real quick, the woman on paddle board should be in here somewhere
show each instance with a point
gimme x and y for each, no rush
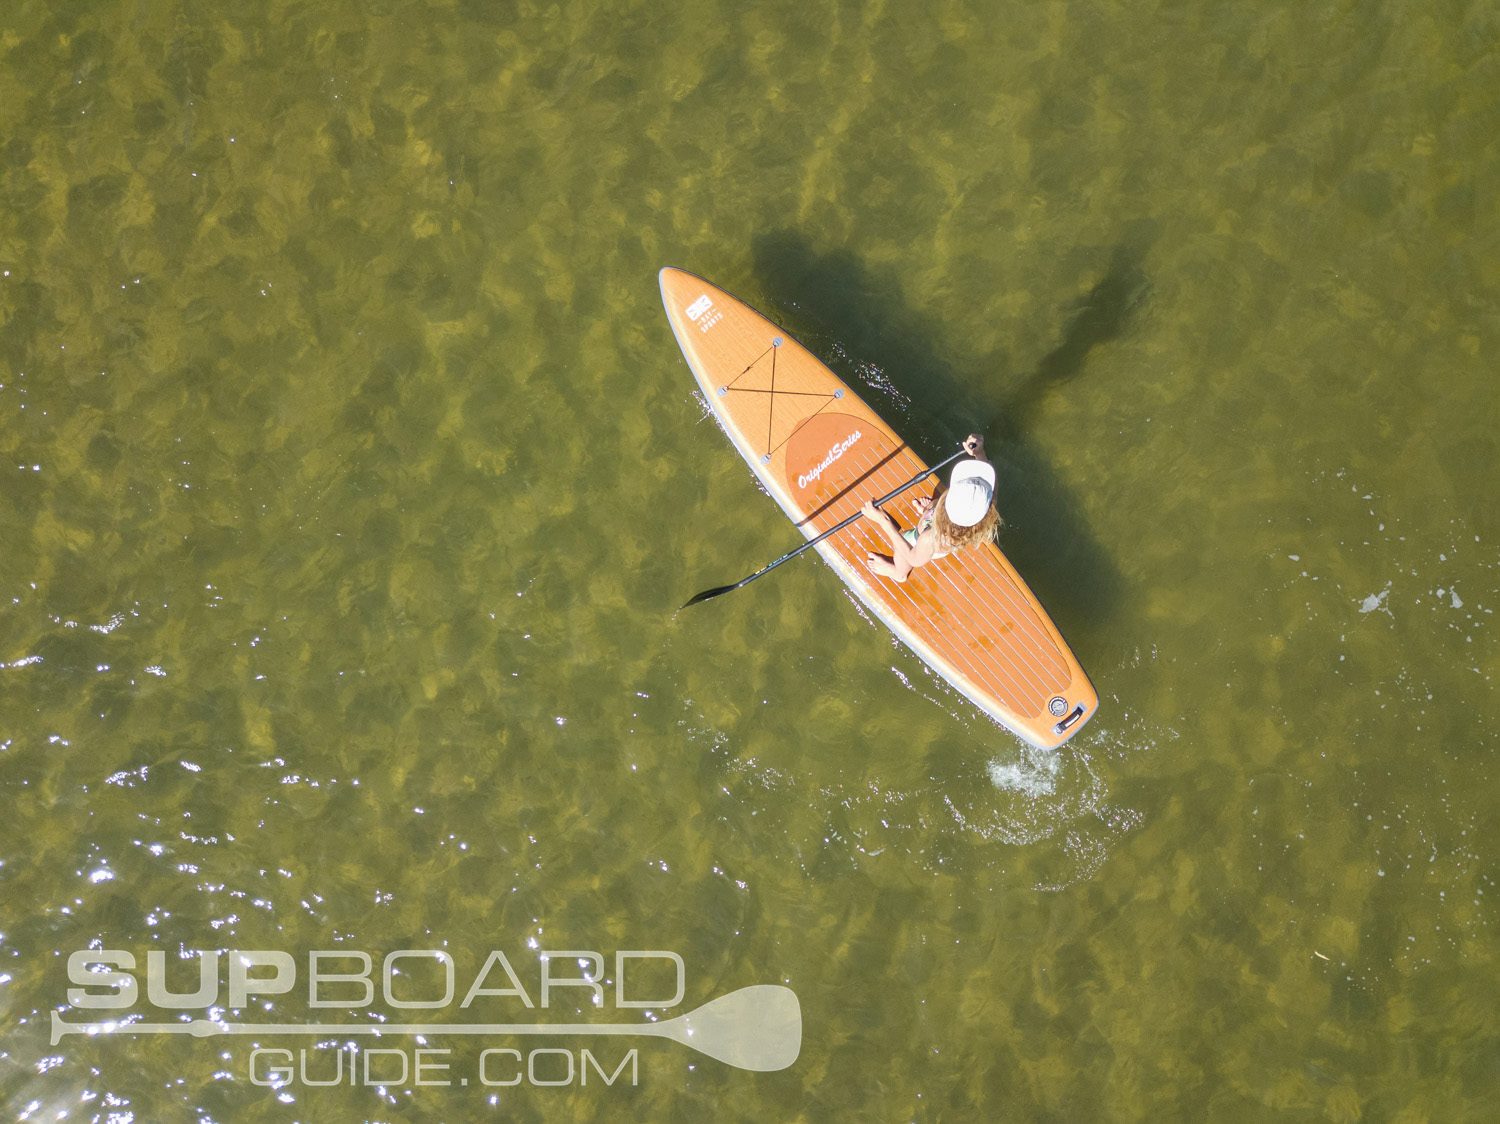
(948, 520)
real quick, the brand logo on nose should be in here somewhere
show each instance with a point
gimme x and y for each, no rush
(703, 313)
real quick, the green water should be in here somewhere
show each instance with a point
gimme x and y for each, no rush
(351, 477)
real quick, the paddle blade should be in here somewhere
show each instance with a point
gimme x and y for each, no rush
(757, 1028)
(709, 594)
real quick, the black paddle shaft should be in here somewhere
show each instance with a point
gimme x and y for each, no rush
(709, 594)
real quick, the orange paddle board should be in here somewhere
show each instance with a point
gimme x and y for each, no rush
(822, 452)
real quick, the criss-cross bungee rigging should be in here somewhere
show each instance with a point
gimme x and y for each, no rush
(771, 392)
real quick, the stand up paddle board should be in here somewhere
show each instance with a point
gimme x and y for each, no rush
(821, 452)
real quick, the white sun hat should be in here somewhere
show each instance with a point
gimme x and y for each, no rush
(970, 490)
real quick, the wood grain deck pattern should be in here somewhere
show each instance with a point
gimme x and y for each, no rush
(821, 452)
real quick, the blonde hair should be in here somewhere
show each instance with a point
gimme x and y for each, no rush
(953, 537)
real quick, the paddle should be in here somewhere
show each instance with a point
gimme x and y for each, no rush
(708, 594)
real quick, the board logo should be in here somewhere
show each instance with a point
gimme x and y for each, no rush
(826, 453)
(703, 313)
(838, 450)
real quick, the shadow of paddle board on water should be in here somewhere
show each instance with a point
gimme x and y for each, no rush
(857, 322)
